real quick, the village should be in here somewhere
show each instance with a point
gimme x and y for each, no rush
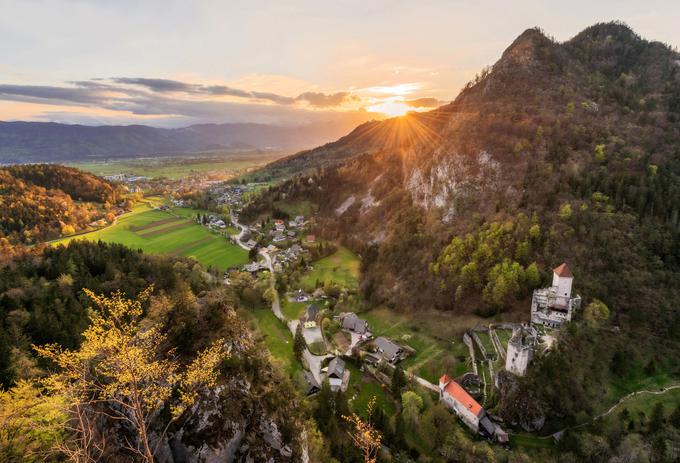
(334, 345)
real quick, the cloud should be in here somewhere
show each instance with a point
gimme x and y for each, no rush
(426, 102)
(140, 98)
(157, 85)
(31, 93)
(322, 100)
(147, 96)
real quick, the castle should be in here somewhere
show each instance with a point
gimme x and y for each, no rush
(554, 306)
(520, 349)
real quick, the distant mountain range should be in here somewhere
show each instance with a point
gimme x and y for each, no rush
(22, 142)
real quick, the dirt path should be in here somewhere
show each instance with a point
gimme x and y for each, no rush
(612, 408)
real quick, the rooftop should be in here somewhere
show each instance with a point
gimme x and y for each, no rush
(563, 271)
(459, 394)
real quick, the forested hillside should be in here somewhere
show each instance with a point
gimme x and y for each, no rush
(558, 152)
(245, 411)
(44, 201)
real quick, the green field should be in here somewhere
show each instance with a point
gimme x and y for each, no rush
(277, 338)
(174, 167)
(295, 208)
(169, 233)
(433, 357)
(341, 268)
(293, 310)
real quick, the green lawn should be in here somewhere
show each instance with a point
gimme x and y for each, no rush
(362, 389)
(293, 310)
(150, 230)
(433, 356)
(277, 338)
(342, 268)
(530, 441)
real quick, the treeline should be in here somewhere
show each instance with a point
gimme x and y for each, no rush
(44, 201)
(495, 261)
(80, 185)
(41, 297)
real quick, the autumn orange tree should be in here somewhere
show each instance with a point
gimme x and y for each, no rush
(365, 437)
(124, 371)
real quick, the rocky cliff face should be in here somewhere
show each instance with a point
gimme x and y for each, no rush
(226, 426)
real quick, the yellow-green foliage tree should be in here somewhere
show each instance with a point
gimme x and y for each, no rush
(596, 312)
(365, 437)
(31, 425)
(125, 370)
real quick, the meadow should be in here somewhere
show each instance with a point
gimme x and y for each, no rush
(436, 340)
(276, 337)
(341, 268)
(169, 233)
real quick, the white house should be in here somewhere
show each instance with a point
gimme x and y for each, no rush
(554, 306)
(520, 350)
(456, 398)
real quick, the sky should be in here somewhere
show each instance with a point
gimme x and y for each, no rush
(176, 63)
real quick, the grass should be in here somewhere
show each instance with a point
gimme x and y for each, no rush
(292, 310)
(504, 336)
(362, 389)
(637, 381)
(486, 342)
(295, 208)
(175, 167)
(433, 356)
(645, 403)
(341, 268)
(147, 229)
(530, 441)
(277, 338)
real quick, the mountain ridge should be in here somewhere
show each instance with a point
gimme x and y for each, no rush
(23, 142)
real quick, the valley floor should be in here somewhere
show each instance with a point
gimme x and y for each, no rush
(169, 232)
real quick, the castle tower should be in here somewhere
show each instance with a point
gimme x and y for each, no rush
(562, 280)
(520, 350)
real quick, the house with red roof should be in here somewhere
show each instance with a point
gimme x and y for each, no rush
(554, 306)
(456, 398)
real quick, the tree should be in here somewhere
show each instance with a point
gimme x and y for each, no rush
(68, 229)
(299, 343)
(596, 312)
(411, 404)
(31, 425)
(599, 153)
(365, 437)
(398, 381)
(675, 417)
(122, 372)
(565, 211)
(657, 419)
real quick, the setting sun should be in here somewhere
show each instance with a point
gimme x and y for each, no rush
(391, 108)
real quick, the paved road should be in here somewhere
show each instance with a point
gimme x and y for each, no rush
(313, 361)
(242, 231)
